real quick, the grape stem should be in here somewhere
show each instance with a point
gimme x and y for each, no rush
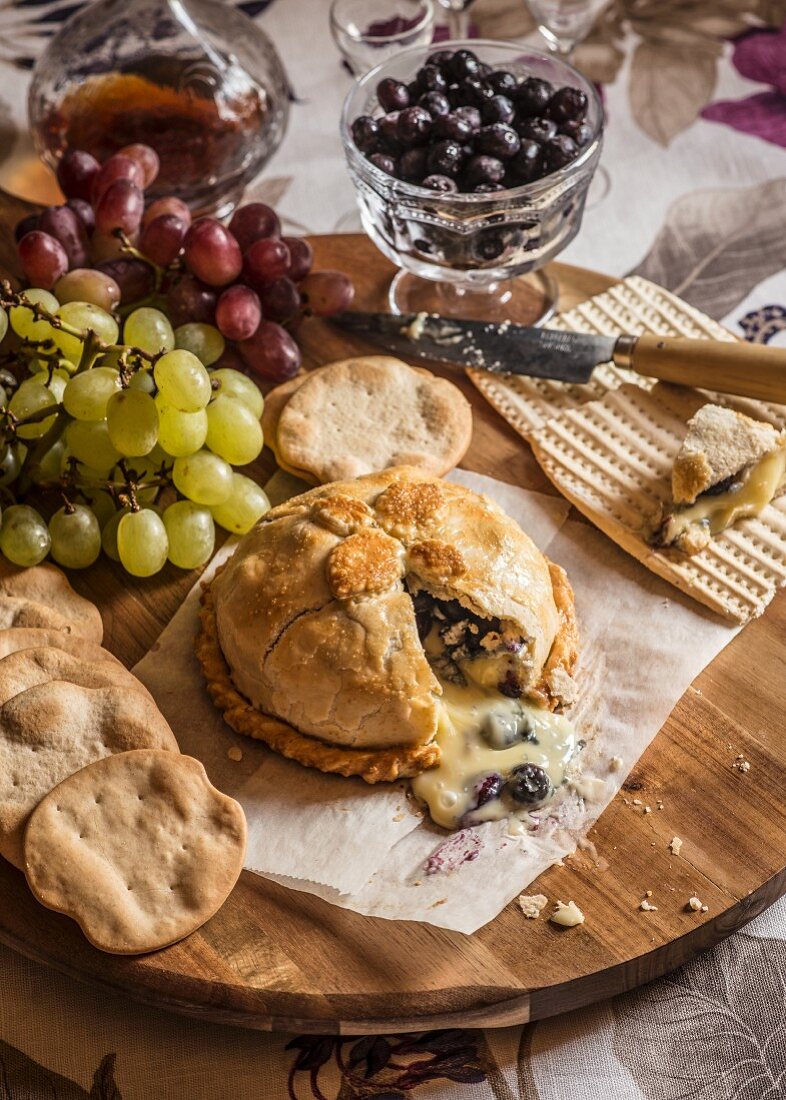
(131, 250)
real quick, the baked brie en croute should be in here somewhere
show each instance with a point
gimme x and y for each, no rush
(397, 626)
(729, 467)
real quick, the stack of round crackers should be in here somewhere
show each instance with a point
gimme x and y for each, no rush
(359, 416)
(109, 822)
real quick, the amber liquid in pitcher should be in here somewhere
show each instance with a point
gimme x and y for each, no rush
(203, 124)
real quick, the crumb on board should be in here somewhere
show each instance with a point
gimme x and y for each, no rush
(694, 904)
(636, 801)
(567, 916)
(676, 845)
(648, 809)
(741, 764)
(648, 893)
(235, 753)
(615, 763)
(646, 906)
(532, 904)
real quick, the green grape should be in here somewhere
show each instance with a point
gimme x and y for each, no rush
(142, 542)
(103, 506)
(132, 419)
(89, 442)
(61, 366)
(76, 536)
(56, 384)
(150, 330)
(87, 394)
(179, 433)
(203, 477)
(23, 320)
(31, 397)
(11, 462)
(109, 534)
(142, 380)
(183, 381)
(203, 341)
(3, 397)
(235, 384)
(84, 316)
(246, 503)
(191, 533)
(48, 468)
(24, 538)
(233, 432)
(111, 357)
(3, 324)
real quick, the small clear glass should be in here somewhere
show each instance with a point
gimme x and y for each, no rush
(470, 255)
(368, 32)
(458, 17)
(196, 79)
(565, 23)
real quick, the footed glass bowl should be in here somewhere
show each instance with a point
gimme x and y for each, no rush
(473, 255)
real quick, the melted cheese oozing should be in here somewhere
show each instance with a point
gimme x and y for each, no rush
(716, 513)
(467, 757)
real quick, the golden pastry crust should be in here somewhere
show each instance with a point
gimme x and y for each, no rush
(557, 686)
(381, 766)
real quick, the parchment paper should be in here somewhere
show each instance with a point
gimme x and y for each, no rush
(369, 849)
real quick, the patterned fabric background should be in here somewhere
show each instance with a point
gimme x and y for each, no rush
(693, 196)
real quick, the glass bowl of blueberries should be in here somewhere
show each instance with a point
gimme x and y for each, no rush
(471, 164)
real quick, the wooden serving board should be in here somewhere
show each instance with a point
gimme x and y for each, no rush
(278, 959)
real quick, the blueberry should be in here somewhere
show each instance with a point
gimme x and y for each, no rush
(365, 133)
(445, 158)
(498, 140)
(487, 789)
(392, 95)
(528, 784)
(388, 132)
(384, 162)
(412, 164)
(463, 63)
(441, 59)
(511, 686)
(581, 132)
(528, 163)
(435, 103)
(474, 91)
(431, 79)
(532, 95)
(484, 70)
(567, 104)
(502, 82)
(484, 169)
(497, 109)
(413, 126)
(452, 126)
(439, 183)
(559, 151)
(536, 129)
(471, 115)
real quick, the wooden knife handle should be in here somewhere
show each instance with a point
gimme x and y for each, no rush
(749, 370)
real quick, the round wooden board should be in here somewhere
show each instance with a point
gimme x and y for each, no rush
(278, 959)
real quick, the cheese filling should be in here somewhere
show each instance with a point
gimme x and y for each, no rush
(691, 527)
(486, 740)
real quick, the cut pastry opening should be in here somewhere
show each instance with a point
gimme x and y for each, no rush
(501, 754)
(690, 528)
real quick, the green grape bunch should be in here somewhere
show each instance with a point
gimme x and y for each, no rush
(120, 432)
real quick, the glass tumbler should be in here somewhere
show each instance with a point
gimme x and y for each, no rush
(368, 32)
(473, 255)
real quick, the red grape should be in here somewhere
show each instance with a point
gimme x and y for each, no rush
(167, 206)
(42, 258)
(265, 261)
(26, 225)
(105, 246)
(280, 300)
(63, 224)
(84, 211)
(145, 157)
(162, 239)
(252, 222)
(212, 253)
(120, 207)
(190, 300)
(301, 257)
(327, 292)
(134, 277)
(230, 357)
(76, 172)
(271, 353)
(117, 168)
(238, 313)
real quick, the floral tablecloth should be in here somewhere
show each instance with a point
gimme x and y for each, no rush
(693, 196)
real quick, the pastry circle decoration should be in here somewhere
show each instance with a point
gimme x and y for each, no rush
(342, 515)
(407, 505)
(434, 560)
(365, 564)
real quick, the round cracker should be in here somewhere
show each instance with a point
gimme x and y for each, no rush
(17, 612)
(358, 416)
(139, 848)
(14, 639)
(27, 667)
(48, 586)
(274, 404)
(52, 730)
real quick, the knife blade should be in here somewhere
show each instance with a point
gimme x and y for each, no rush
(502, 349)
(724, 366)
